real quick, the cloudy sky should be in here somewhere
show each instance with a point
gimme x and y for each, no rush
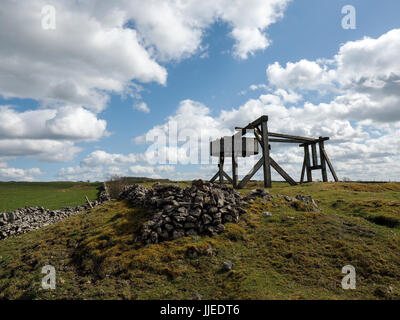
(84, 88)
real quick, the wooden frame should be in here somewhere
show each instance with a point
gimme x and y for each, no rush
(261, 133)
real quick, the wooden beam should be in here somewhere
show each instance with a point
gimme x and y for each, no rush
(285, 140)
(266, 157)
(323, 161)
(258, 137)
(234, 165)
(221, 168)
(330, 166)
(252, 172)
(308, 165)
(315, 140)
(88, 201)
(314, 154)
(227, 177)
(303, 169)
(256, 123)
(279, 135)
(215, 177)
(282, 172)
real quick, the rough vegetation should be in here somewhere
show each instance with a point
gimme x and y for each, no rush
(281, 248)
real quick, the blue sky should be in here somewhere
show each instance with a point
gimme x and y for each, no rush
(212, 75)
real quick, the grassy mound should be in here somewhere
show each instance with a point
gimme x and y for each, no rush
(293, 254)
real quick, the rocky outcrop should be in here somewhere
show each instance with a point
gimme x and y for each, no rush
(202, 208)
(30, 218)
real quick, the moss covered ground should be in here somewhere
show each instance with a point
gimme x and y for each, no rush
(293, 254)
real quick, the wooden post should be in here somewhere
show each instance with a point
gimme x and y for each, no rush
(221, 168)
(89, 203)
(308, 165)
(323, 160)
(265, 149)
(314, 154)
(303, 169)
(234, 165)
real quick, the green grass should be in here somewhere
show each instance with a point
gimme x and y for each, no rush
(292, 255)
(51, 195)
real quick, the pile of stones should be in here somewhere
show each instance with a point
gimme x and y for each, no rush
(258, 193)
(202, 208)
(30, 218)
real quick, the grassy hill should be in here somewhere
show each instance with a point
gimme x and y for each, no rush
(291, 255)
(51, 195)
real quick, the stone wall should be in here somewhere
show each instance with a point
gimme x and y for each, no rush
(30, 218)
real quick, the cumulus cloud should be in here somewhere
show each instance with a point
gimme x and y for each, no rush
(142, 106)
(138, 169)
(47, 134)
(101, 47)
(15, 174)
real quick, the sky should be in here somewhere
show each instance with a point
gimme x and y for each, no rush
(90, 89)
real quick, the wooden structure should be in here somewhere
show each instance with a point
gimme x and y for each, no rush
(238, 146)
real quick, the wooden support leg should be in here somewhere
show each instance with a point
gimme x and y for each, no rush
(227, 177)
(252, 172)
(323, 161)
(215, 177)
(234, 171)
(282, 172)
(234, 165)
(314, 154)
(265, 149)
(303, 171)
(330, 166)
(308, 164)
(221, 169)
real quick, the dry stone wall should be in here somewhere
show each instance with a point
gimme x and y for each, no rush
(30, 218)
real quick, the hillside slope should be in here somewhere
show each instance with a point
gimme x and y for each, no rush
(289, 255)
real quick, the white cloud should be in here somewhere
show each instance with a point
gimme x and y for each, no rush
(165, 168)
(47, 134)
(303, 75)
(93, 53)
(142, 106)
(15, 174)
(102, 158)
(138, 169)
(77, 63)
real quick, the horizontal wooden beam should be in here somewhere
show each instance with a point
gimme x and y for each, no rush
(287, 136)
(316, 140)
(285, 140)
(256, 123)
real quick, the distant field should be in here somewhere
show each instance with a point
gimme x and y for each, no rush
(50, 195)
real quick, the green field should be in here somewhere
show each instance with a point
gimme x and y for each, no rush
(294, 254)
(50, 195)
